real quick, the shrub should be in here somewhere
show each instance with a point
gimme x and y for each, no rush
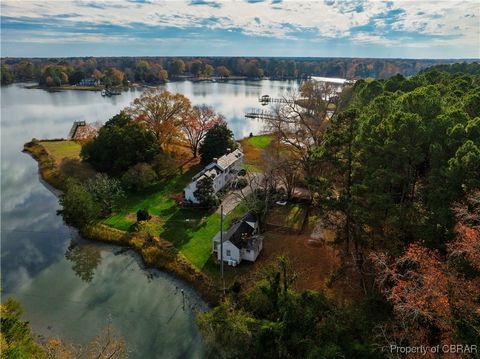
(79, 206)
(107, 192)
(241, 183)
(17, 340)
(143, 215)
(139, 177)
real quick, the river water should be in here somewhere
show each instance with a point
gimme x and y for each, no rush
(71, 288)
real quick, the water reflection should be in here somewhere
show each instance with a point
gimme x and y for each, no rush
(73, 291)
(85, 259)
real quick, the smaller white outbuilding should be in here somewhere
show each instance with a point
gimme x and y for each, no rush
(240, 242)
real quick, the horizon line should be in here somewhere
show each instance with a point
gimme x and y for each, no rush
(244, 56)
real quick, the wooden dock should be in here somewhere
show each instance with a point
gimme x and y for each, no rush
(73, 130)
(265, 100)
(260, 114)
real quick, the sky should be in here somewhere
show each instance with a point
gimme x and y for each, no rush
(323, 28)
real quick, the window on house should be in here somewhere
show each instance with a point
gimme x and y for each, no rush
(248, 250)
(228, 252)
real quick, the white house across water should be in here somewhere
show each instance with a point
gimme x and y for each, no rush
(222, 170)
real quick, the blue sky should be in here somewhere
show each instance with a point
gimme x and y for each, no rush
(360, 28)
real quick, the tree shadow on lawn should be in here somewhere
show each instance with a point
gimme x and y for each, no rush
(73, 167)
(180, 228)
(168, 212)
(165, 187)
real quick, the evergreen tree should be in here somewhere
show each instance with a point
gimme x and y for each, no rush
(218, 140)
(120, 144)
(205, 192)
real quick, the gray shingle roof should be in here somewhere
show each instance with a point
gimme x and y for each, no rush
(213, 169)
(227, 160)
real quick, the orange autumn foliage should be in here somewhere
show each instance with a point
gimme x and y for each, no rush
(417, 285)
(162, 112)
(428, 291)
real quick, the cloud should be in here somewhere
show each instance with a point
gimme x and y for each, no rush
(383, 23)
(213, 4)
(367, 38)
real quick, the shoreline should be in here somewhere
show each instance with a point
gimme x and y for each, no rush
(36, 86)
(64, 88)
(159, 253)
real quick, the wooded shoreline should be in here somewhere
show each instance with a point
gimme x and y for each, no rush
(159, 254)
(145, 85)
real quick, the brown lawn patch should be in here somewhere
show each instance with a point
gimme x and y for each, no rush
(289, 217)
(62, 149)
(66, 155)
(316, 264)
(253, 155)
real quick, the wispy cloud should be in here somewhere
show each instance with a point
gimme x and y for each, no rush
(213, 4)
(398, 26)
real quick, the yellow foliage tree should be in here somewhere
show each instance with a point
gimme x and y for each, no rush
(162, 112)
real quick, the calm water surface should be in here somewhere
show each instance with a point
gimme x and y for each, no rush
(71, 288)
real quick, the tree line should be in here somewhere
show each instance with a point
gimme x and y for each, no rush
(394, 166)
(156, 70)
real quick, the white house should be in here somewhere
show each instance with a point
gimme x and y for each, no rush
(90, 81)
(240, 242)
(223, 170)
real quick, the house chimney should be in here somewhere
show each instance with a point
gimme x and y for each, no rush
(215, 159)
(229, 150)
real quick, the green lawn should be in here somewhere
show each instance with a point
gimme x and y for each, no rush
(62, 149)
(260, 141)
(251, 168)
(190, 230)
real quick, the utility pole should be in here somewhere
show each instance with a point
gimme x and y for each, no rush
(221, 247)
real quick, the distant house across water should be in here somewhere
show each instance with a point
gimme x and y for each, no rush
(89, 81)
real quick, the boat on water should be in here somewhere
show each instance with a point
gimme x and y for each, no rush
(108, 92)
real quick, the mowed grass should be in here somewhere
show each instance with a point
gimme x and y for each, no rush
(260, 142)
(190, 230)
(62, 149)
(253, 148)
(66, 155)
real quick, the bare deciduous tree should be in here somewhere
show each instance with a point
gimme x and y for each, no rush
(284, 167)
(196, 123)
(257, 194)
(301, 120)
(108, 344)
